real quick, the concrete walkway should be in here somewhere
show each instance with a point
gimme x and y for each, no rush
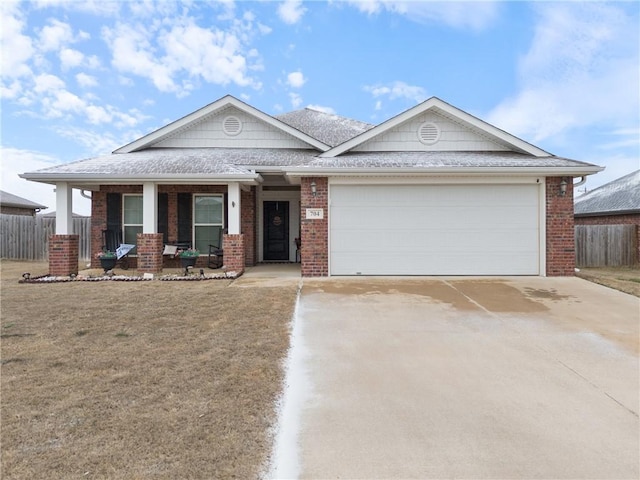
(463, 378)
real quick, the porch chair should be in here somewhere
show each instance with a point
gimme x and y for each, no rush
(216, 254)
(111, 240)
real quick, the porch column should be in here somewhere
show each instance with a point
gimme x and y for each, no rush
(233, 240)
(63, 245)
(149, 207)
(64, 204)
(233, 207)
(149, 242)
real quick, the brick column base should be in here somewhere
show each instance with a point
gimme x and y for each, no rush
(149, 248)
(234, 254)
(63, 254)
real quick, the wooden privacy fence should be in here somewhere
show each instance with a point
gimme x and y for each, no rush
(24, 237)
(606, 245)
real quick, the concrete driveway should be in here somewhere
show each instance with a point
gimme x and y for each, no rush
(482, 378)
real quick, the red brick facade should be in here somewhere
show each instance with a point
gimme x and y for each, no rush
(149, 248)
(247, 225)
(314, 232)
(241, 250)
(63, 254)
(561, 250)
(234, 248)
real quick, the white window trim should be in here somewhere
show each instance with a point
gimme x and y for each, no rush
(193, 215)
(124, 225)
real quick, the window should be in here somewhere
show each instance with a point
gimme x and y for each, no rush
(131, 218)
(208, 221)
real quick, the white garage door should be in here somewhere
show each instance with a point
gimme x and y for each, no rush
(434, 230)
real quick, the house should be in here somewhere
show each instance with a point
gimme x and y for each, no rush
(11, 204)
(431, 191)
(615, 203)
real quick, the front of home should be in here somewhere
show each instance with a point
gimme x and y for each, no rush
(432, 191)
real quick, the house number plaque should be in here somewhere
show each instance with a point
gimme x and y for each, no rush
(315, 213)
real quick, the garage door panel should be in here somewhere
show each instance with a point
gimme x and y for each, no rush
(434, 230)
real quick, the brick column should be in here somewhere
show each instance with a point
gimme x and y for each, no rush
(248, 225)
(63, 254)
(234, 253)
(561, 248)
(149, 250)
(314, 255)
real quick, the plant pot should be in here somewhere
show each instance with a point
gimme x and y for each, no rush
(188, 261)
(108, 263)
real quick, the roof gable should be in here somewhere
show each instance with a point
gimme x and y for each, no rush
(206, 128)
(453, 129)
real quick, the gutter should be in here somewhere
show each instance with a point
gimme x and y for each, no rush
(488, 171)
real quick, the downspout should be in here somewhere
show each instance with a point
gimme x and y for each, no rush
(89, 196)
(581, 182)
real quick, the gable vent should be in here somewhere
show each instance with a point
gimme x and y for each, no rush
(429, 133)
(232, 126)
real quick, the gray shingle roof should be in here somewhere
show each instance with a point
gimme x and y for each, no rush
(329, 128)
(442, 159)
(621, 195)
(10, 200)
(184, 161)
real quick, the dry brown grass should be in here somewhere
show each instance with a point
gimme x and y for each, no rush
(625, 279)
(139, 379)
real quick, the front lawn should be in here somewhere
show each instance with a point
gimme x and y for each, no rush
(139, 379)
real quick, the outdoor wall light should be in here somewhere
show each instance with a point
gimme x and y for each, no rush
(314, 190)
(563, 187)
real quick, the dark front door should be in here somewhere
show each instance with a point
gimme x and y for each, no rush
(276, 231)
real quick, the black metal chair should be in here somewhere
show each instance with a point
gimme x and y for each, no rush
(111, 240)
(216, 253)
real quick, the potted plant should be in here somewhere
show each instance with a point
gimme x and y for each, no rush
(188, 257)
(107, 259)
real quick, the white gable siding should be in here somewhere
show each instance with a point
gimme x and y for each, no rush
(209, 133)
(453, 137)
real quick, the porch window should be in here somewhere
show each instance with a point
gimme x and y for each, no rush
(208, 220)
(131, 218)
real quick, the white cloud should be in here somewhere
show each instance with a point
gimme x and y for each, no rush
(133, 53)
(296, 100)
(86, 81)
(296, 79)
(17, 48)
(16, 161)
(291, 11)
(396, 90)
(70, 58)
(55, 35)
(581, 70)
(464, 15)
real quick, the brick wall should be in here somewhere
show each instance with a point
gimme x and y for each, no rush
(248, 225)
(314, 233)
(234, 250)
(99, 218)
(561, 252)
(17, 211)
(63, 254)
(149, 248)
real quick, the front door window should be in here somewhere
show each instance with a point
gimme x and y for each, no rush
(276, 231)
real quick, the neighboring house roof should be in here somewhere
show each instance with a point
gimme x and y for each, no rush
(614, 198)
(10, 200)
(199, 148)
(329, 128)
(53, 215)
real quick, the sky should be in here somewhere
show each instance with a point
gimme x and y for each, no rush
(82, 78)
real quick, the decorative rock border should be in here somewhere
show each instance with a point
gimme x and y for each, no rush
(27, 278)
